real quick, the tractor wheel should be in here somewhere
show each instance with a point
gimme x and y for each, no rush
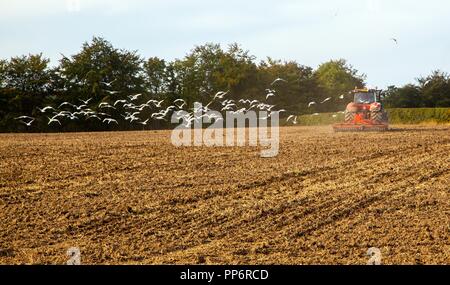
(377, 117)
(385, 117)
(349, 116)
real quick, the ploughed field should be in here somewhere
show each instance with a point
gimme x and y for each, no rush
(133, 198)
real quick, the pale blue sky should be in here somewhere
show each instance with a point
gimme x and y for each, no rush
(309, 32)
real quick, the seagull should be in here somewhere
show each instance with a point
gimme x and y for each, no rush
(228, 107)
(240, 111)
(46, 109)
(24, 118)
(109, 121)
(227, 102)
(158, 104)
(151, 101)
(53, 120)
(141, 107)
(160, 117)
(394, 40)
(270, 95)
(120, 101)
(27, 124)
(110, 83)
(129, 106)
(278, 80)
(290, 118)
(179, 101)
(181, 106)
(85, 102)
(311, 103)
(112, 92)
(104, 114)
(62, 114)
(144, 123)
(220, 95)
(426, 82)
(189, 121)
(94, 117)
(105, 105)
(79, 108)
(326, 100)
(183, 103)
(64, 104)
(134, 97)
(132, 119)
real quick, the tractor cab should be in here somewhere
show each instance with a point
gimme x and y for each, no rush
(366, 96)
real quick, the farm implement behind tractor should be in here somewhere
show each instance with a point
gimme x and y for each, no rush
(365, 113)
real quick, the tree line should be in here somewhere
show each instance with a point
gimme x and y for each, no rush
(99, 72)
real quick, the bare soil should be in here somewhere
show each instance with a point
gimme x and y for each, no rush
(133, 198)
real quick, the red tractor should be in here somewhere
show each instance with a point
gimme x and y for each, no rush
(365, 113)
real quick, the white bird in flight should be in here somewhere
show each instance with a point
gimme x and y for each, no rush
(311, 103)
(179, 101)
(28, 124)
(109, 121)
(85, 102)
(65, 104)
(120, 101)
(278, 80)
(46, 109)
(93, 117)
(158, 104)
(144, 123)
(326, 100)
(290, 118)
(53, 120)
(105, 105)
(112, 92)
(220, 94)
(24, 118)
(270, 95)
(134, 97)
(109, 84)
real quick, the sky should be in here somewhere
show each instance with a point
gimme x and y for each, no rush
(308, 31)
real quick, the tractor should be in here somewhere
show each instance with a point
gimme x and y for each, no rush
(365, 113)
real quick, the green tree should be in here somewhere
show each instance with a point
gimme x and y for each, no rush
(25, 82)
(155, 76)
(435, 89)
(293, 95)
(336, 78)
(408, 96)
(103, 72)
(209, 69)
(27, 74)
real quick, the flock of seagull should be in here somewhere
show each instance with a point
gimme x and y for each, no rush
(132, 112)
